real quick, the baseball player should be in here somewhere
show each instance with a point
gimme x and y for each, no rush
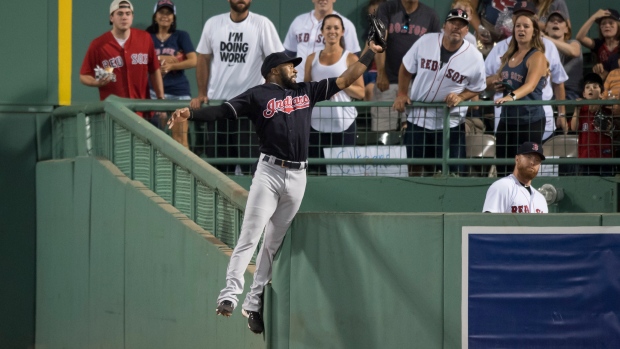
(448, 69)
(231, 50)
(557, 77)
(514, 194)
(128, 53)
(281, 110)
(304, 35)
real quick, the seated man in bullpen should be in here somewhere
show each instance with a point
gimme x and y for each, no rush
(514, 194)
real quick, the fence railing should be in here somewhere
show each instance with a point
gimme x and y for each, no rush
(142, 152)
(112, 130)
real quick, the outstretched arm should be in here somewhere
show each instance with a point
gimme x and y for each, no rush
(358, 68)
(210, 113)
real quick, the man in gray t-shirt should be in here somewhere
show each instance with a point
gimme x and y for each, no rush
(406, 21)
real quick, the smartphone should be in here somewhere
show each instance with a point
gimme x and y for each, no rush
(508, 87)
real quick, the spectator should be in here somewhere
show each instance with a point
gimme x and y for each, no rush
(176, 53)
(304, 35)
(606, 45)
(332, 126)
(514, 194)
(554, 85)
(593, 143)
(406, 21)
(128, 53)
(492, 20)
(612, 89)
(524, 68)
(546, 7)
(448, 69)
(466, 6)
(230, 53)
(370, 76)
(558, 30)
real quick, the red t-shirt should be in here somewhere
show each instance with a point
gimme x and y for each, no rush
(132, 63)
(592, 143)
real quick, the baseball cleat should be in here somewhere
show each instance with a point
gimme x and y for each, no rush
(225, 308)
(255, 321)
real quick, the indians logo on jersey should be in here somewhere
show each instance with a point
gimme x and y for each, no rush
(286, 105)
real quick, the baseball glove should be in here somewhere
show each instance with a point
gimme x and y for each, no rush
(377, 31)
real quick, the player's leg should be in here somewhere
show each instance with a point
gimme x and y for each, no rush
(290, 200)
(262, 202)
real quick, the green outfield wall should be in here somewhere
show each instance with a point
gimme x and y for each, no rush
(118, 267)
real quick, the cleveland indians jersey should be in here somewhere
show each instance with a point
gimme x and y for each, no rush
(434, 81)
(282, 116)
(508, 195)
(132, 63)
(238, 51)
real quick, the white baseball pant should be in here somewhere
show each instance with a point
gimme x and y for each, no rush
(275, 196)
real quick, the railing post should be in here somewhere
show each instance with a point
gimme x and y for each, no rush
(445, 169)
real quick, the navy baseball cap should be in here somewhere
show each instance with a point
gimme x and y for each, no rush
(592, 78)
(165, 3)
(524, 6)
(613, 14)
(457, 13)
(531, 147)
(275, 59)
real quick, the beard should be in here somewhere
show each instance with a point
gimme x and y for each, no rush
(289, 83)
(239, 7)
(527, 173)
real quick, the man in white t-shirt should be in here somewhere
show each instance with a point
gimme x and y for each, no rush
(304, 35)
(553, 87)
(231, 51)
(514, 194)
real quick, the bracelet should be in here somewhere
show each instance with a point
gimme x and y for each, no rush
(513, 96)
(561, 114)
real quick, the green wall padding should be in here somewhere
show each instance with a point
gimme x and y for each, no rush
(361, 281)
(18, 157)
(118, 267)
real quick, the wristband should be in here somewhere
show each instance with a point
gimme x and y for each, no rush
(514, 97)
(367, 58)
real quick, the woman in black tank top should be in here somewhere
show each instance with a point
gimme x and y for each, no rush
(523, 71)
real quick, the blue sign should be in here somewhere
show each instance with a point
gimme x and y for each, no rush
(540, 287)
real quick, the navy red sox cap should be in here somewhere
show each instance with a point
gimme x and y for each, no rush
(613, 14)
(275, 59)
(165, 3)
(523, 5)
(531, 147)
(457, 13)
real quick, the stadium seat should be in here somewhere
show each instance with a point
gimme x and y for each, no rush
(480, 146)
(564, 146)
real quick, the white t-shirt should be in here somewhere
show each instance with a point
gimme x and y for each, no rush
(332, 119)
(238, 51)
(508, 195)
(304, 37)
(433, 82)
(558, 76)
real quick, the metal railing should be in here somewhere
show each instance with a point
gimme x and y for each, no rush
(142, 152)
(112, 130)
